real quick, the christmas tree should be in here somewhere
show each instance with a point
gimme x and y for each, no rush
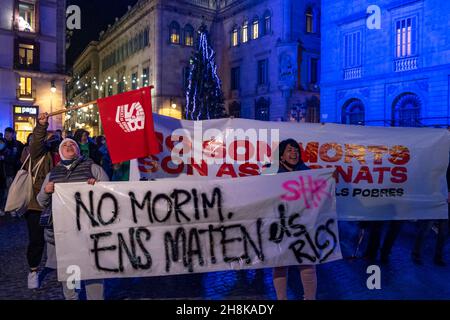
(204, 97)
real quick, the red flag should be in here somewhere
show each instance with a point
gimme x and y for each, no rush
(128, 124)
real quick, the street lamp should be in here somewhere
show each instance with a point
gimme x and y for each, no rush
(53, 86)
(173, 104)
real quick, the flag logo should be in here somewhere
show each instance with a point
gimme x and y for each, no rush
(131, 119)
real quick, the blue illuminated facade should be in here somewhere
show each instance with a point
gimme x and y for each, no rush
(394, 75)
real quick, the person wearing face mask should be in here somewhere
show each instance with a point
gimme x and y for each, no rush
(289, 161)
(73, 167)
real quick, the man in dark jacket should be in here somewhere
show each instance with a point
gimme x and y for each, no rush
(11, 161)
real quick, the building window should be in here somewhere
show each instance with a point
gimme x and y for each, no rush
(406, 110)
(353, 112)
(262, 72)
(189, 36)
(235, 77)
(313, 71)
(121, 86)
(405, 37)
(234, 110)
(141, 40)
(255, 29)
(234, 37)
(174, 33)
(26, 88)
(134, 81)
(309, 20)
(245, 32)
(352, 49)
(146, 37)
(27, 16)
(26, 55)
(145, 77)
(262, 110)
(267, 23)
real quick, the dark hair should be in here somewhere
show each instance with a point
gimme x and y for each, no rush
(9, 129)
(288, 142)
(78, 134)
(98, 141)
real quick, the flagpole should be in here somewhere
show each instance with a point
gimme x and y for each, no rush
(84, 105)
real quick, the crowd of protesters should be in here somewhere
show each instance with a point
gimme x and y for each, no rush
(89, 159)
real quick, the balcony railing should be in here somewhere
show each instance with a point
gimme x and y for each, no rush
(405, 64)
(352, 73)
(26, 95)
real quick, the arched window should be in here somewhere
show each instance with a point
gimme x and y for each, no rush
(406, 110)
(245, 32)
(188, 35)
(255, 28)
(262, 110)
(174, 33)
(267, 23)
(234, 110)
(353, 112)
(234, 37)
(309, 20)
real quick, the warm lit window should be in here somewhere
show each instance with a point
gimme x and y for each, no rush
(189, 36)
(245, 32)
(405, 37)
(25, 86)
(174, 33)
(26, 52)
(26, 19)
(309, 20)
(255, 29)
(234, 37)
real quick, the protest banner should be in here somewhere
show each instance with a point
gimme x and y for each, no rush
(127, 121)
(172, 226)
(383, 173)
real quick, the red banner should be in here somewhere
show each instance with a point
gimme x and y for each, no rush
(128, 125)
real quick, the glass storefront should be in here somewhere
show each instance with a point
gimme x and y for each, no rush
(24, 121)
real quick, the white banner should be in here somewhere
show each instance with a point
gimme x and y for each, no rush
(384, 173)
(172, 226)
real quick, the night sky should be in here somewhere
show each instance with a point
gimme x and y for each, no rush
(95, 17)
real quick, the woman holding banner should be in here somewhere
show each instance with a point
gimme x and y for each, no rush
(72, 168)
(290, 160)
